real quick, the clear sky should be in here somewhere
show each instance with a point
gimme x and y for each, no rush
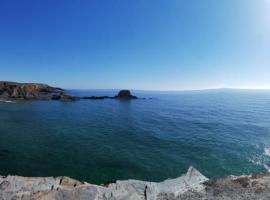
(136, 44)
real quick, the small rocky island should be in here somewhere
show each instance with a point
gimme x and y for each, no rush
(125, 94)
(38, 91)
(122, 95)
(190, 186)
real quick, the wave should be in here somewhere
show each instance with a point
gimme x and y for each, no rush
(267, 151)
(6, 101)
(267, 167)
(262, 159)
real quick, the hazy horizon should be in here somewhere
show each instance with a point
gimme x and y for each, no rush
(134, 89)
(147, 45)
(183, 90)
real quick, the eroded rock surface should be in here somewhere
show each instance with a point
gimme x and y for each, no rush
(31, 91)
(62, 188)
(191, 186)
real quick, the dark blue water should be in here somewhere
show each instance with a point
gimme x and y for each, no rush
(220, 133)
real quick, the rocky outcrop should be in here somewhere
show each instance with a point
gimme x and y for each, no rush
(122, 95)
(97, 97)
(31, 91)
(191, 186)
(125, 95)
(37, 91)
(63, 188)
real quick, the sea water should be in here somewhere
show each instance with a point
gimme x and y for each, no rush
(219, 132)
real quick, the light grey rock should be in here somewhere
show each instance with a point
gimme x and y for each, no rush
(64, 188)
(191, 186)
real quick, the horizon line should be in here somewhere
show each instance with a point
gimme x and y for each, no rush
(172, 90)
(151, 90)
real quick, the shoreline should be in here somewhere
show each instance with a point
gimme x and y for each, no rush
(38, 91)
(192, 185)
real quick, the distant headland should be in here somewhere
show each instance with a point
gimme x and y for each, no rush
(38, 91)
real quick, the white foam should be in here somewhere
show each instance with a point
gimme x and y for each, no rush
(267, 151)
(262, 159)
(6, 101)
(267, 167)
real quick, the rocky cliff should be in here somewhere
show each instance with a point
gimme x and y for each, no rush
(37, 91)
(191, 186)
(31, 91)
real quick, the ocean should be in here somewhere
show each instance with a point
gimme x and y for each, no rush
(219, 132)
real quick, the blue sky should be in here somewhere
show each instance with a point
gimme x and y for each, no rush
(136, 44)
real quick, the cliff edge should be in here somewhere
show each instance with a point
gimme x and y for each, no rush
(191, 186)
(31, 91)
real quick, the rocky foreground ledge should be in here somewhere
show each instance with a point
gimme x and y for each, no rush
(193, 186)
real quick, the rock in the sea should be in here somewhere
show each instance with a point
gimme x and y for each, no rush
(125, 94)
(97, 97)
(65, 97)
(122, 95)
(31, 91)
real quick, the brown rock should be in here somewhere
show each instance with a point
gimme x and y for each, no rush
(66, 181)
(31, 91)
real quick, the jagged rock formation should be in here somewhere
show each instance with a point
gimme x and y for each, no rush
(31, 91)
(62, 188)
(191, 186)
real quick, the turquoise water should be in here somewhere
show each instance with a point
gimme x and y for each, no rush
(220, 133)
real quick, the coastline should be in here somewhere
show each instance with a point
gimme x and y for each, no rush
(38, 91)
(192, 185)
(182, 113)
